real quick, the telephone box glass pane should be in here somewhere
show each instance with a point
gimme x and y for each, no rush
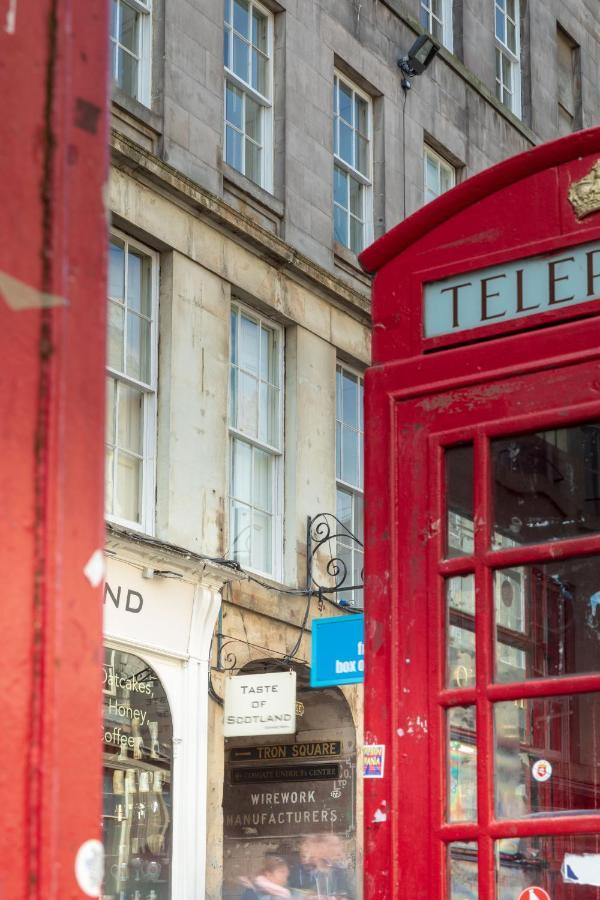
(459, 491)
(565, 866)
(546, 755)
(547, 619)
(546, 486)
(460, 657)
(462, 764)
(462, 870)
(138, 740)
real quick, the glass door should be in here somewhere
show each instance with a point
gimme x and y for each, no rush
(515, 565)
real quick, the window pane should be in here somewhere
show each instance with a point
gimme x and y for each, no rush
(361, 120)
(128, 73)
(114, 18)
(356, 235)
(345, 102)
(550, 862)
(128, 30)
(262, 557)
(253, 162)
(546, 485)
(111, 401)
(127, 504)
(233, 392)
(138, 347)
(546, 755)
(462, 870)
(362, 155)
(344, 508)
(263, 481)
(349, 385)
(260, 30)
(116, 270)
(500, 26)
(340, 187)
(130, 419)
(340, 225)
(432, 174)
(459, 500)
(241, 58)
(424, 16)
(249, 344)
(233, 148)
(268, 419)
(234, 106)
(138, 283)
(109, 462)
(345, 145)
(241, 474)
(240, 17)
(349, 456)
(253, 129)
(460, 618)
(446, 180)
(241, 533)
(268, 358)
(228, 11)
(247, 404)
(462, 764)
(356, 198)
(227, 47)
(259, 78)
(550, 614)
(116, 319)
(358, 518)
(511, 37)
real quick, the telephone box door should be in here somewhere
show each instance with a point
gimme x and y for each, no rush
(505, 489)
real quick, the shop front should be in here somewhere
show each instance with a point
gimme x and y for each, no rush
(289, 800)
(159, 614)
(482, 568)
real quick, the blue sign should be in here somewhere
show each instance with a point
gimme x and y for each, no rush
(338, 651)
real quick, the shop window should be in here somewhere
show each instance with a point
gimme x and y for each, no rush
(256, 441)
(439, 175)
(131, 383)
(137, 807)
(248, 41)
(131, 47)
(508, 54)
(352, 179)
(436, 17)
(349, 477)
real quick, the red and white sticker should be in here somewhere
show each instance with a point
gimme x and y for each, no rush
(541, 770)
(534, 893)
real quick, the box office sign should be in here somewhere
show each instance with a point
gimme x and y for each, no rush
(260, 704)
(289, 797)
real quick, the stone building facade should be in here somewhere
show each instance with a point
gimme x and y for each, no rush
(256, 147)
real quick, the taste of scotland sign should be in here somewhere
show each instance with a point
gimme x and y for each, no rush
(338, 651)
(260, 704)
(512, 291)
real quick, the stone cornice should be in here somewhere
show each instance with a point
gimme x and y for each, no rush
(128, 156)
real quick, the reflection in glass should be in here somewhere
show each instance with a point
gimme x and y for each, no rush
(462, 764)
(460, 658)
(137, 779)
(561, 735)
(547, 619)
(546, 485)
(543, 861)
(462, 870)
(459, 493)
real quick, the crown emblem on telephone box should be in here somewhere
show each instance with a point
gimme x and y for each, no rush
(584, 195)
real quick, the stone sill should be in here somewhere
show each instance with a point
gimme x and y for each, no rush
(348, 262)
(135, 121)
(251, 193)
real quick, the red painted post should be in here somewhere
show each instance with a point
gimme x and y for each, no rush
(53, 89)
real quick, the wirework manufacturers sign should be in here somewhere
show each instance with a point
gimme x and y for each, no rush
(260, 704)
(338, 651)
(513, 290)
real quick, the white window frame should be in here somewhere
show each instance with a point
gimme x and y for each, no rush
(366, 181)
(277, 452)
(348, 487)
(502, 50)
(265, 102)
(144, 9)
(446, 24)
(440, 163)
(150, 390)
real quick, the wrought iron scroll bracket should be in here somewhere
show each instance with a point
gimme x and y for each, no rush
(326, 535)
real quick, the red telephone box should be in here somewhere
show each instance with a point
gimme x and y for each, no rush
(483, 537)
(54, 92)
